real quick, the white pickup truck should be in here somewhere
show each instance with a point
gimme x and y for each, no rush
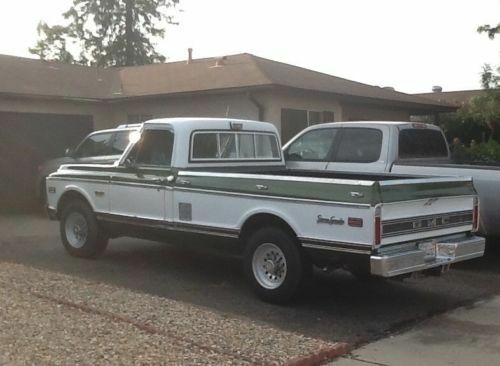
(396, 148)
(196, 179)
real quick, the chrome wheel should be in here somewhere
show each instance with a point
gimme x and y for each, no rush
(76, 229)
(269, 266)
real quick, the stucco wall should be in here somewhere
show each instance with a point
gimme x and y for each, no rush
(221, 105)
(364, 112)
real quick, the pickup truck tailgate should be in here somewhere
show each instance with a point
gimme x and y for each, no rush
(424, 208)
(418, 233)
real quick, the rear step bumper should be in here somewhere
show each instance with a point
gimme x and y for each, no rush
(432, 254)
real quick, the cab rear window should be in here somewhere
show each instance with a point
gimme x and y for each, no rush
(421, 143)
(214, 145)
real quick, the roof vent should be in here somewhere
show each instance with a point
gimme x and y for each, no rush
(437, 89)
(190, 55)
(389, 88)
(220, 61)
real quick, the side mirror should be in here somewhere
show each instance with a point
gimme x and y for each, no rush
(129, 163)
(69, 152)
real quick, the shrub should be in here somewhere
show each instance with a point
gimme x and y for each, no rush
(487, 152)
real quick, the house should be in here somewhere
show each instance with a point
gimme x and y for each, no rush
(46, 106)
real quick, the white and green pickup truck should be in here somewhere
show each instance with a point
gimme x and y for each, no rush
(200, 179)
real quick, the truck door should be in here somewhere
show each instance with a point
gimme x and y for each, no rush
(140, 188)
(311, 151)
(360, 149)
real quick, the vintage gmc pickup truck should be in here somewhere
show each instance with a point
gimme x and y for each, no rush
(195, 179)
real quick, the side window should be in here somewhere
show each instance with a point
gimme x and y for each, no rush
(314, 145)
(120, 142)
(95, 145)
(359, 145)
(154, 148)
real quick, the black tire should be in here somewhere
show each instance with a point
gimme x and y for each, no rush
(89, 244)
(287, 286)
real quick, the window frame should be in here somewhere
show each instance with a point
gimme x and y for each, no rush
(130, 149)
(235, 132)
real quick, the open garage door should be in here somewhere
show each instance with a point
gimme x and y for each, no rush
(28, 139)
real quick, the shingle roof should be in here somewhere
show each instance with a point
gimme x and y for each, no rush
(55, 79)
(457, 98)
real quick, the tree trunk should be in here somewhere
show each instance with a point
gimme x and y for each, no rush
(129, 33)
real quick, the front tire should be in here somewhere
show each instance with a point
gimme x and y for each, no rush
(80, 233)
(273, 265)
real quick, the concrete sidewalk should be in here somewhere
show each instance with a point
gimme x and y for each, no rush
(466, 336)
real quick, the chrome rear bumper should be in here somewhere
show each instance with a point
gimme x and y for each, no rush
(427, 255)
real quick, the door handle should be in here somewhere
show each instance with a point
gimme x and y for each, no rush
(183, 182)
(261, 187)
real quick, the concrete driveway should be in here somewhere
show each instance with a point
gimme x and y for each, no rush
(334, 308)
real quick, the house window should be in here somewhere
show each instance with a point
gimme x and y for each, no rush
(138, 118)
(295, 120)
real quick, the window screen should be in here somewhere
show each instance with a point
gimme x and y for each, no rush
(359, 145)
(421, 143)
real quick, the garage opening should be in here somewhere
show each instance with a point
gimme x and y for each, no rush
(27, 140)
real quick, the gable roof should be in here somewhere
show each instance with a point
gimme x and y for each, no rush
(25, 76)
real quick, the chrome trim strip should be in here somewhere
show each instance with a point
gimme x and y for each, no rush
(169, 225)
(101, 181)
(366, 183)
(227, 193)
(335, 249)
(426, 180)
(143, 185)
(336, 246)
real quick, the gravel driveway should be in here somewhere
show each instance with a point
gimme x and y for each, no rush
(50, 318)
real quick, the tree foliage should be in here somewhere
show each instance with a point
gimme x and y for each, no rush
(107, 32)
(489, 78)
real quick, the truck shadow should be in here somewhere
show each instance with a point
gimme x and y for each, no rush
(333, 307)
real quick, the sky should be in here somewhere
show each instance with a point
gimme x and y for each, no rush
(410, 45)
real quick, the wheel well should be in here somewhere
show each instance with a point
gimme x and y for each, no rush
(258, 221)
(68, 197)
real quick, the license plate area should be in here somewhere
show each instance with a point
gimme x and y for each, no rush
(429, 249)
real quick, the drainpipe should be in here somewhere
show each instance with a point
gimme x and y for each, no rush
(256, 103)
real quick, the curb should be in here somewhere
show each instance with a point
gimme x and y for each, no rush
(320, 357)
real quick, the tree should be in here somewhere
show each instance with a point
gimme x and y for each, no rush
(489, 78)
(107, 33)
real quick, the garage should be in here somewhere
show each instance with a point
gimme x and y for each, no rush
(28, 139)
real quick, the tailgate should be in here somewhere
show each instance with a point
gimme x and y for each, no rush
(422, 208)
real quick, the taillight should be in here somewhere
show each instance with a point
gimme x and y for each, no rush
(378, 226)
(475, 215)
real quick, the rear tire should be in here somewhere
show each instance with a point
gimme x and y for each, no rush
(274, 265)
(80, 233)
